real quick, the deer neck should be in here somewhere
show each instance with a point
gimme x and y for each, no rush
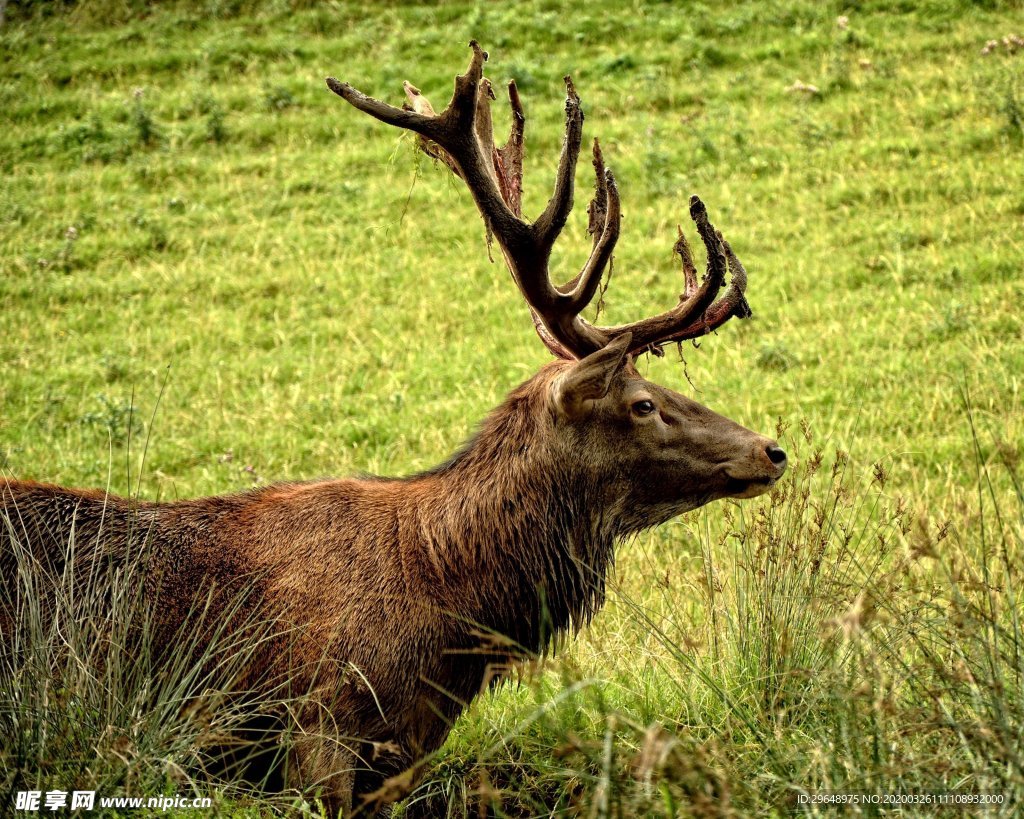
(520, 538)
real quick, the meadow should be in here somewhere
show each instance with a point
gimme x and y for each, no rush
(214, 274)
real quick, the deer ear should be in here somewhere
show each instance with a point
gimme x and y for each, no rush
(590, 378)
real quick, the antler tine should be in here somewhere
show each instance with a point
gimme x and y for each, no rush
(461, 111)
(510, 156)
(716, 269)
(737, 292)
(398, 117)
(604, 245)
(550, 223)
(604, 221)
(598, 208)
(682, 247)
(483, 126)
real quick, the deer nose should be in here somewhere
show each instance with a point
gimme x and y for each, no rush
(777, 455)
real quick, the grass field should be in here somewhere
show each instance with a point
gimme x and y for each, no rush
(214, 274)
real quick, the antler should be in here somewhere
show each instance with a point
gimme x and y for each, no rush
(462, 137)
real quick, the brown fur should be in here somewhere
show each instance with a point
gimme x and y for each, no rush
(423, 588)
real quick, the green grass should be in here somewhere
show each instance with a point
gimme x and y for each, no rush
(189, 218)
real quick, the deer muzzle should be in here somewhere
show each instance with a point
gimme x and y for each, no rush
(755, 475)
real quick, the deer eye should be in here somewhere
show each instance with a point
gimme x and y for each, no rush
(644, 407)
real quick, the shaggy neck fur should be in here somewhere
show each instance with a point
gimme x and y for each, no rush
(520, 533)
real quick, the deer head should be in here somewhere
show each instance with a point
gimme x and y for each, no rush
(659, 452)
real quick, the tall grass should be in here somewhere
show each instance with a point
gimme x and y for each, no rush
(90, 700)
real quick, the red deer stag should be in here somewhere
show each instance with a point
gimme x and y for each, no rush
(396, 580)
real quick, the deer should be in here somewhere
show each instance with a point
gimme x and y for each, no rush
(425, 590)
